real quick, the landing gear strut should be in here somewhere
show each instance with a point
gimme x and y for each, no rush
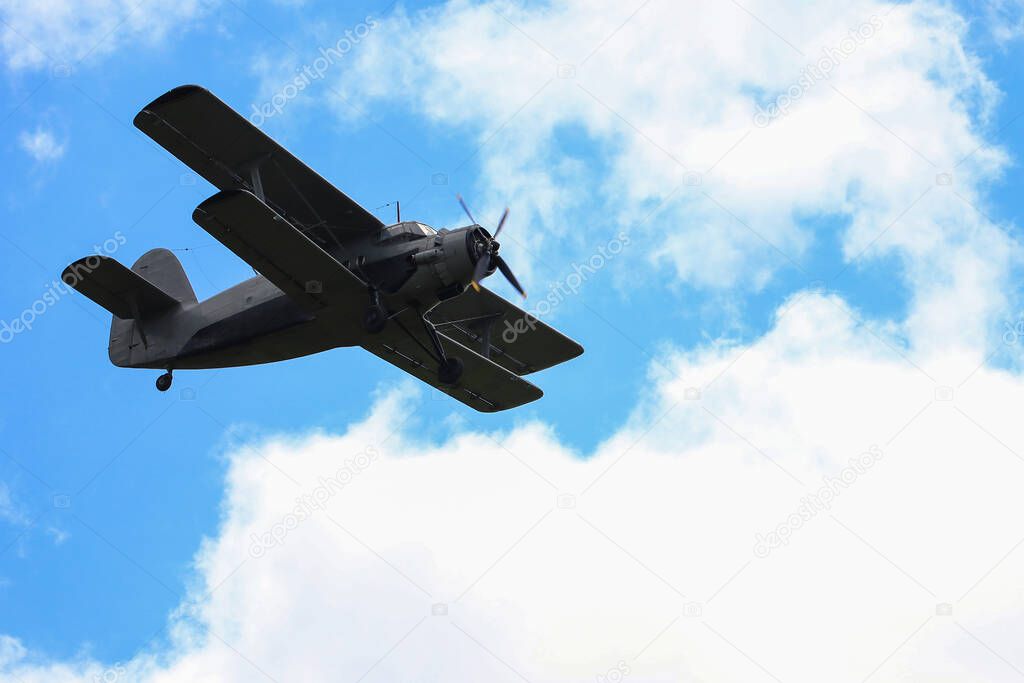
(163, 382)
(449, 368)
(376, 318)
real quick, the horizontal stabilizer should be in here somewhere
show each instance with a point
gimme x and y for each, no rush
(116, 288)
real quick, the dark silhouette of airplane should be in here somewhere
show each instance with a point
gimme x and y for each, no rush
(332, 275)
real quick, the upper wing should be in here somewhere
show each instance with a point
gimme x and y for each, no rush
(222, 146)
(258, 235)
(484, 385)
(500, 330)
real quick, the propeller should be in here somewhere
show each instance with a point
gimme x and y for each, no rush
(490, 257)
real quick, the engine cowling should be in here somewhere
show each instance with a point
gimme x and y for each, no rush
(444, 267)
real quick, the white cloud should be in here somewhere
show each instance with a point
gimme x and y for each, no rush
(59, 33)
(42, 145)
(655, 565)
(10, 511)
(666, 513)
(667, 92)
(1004, 19)
(10, 651)
(58, 535)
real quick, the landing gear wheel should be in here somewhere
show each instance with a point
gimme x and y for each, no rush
(374, 320)
(450, 370)
(163, 382)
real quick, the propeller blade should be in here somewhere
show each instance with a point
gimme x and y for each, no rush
(466, 209)
(482, 266)
(501, 223)
(507, 272)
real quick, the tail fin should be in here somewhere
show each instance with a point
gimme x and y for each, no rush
(155, 285)
(162, 268)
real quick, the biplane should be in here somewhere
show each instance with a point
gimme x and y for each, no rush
(330, 274)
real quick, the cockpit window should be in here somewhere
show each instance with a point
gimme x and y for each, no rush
(407, 230)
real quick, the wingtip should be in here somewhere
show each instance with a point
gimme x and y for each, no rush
(222, 197)
(176, 94)
(172, 95)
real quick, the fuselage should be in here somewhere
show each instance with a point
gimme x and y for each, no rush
(253, 322)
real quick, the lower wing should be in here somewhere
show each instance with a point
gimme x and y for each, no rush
(484, 385)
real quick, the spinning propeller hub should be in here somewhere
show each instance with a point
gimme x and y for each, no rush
(489, 260)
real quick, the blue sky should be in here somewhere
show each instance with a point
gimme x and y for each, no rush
(109, 487)
(143, 469)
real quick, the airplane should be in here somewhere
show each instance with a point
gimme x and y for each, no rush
(330, 274)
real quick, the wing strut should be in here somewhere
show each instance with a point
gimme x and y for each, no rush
(257, 183)
(319, 219)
